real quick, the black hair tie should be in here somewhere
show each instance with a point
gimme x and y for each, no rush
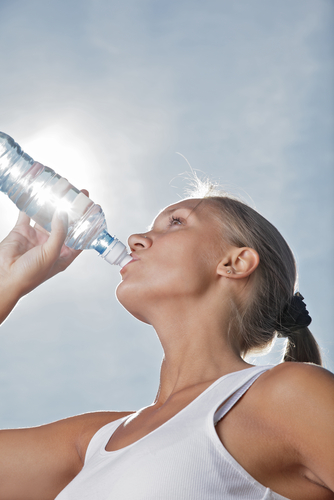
(294, 316)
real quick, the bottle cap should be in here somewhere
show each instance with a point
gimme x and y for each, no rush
(116, 253)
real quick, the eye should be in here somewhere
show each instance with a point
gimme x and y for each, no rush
(174, 221)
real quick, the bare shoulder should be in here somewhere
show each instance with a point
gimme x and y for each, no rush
(81, 428)
(43, 460)
(296, 381)
(297, 400)
(71, 435)
(281, 431)
(300, 370)
(290, 390)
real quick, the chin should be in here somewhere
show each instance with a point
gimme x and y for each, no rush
(128, 304)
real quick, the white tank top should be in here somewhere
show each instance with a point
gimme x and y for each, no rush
(183, 459)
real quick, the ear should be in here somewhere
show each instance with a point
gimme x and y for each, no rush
(239, 263)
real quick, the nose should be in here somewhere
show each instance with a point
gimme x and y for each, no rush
(139, 241)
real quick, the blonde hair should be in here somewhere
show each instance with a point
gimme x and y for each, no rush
(257, 322)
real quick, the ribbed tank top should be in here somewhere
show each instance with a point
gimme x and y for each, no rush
(183, 459)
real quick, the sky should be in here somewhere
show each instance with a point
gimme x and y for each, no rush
(120, 97)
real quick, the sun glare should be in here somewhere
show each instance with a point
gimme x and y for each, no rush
(63, 151)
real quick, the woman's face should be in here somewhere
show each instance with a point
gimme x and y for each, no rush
(174, 261)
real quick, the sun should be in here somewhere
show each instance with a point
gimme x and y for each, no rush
(64, 151)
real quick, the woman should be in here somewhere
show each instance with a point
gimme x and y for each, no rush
(216, 280)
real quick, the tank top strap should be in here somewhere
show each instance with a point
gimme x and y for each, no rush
(101, 437)
(225, 408)
(225, 392)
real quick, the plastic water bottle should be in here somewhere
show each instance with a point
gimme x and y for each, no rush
(38, 191)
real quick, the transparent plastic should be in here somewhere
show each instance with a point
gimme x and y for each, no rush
(39, 191)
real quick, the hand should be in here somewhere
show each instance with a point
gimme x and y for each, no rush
(29, 256)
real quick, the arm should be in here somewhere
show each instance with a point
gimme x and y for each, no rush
(37, 463)
(282, 431)
(302, 407)
(313, 423)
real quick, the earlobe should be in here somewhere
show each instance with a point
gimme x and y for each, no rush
(241, 263)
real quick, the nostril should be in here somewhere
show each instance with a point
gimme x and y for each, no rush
(139, 241)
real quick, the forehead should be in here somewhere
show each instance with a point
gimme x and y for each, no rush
(189, 204)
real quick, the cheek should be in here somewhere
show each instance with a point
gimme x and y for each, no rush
(184, 274)
(168, 273)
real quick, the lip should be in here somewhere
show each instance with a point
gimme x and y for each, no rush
(134, 258)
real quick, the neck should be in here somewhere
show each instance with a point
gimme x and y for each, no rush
(198, 346)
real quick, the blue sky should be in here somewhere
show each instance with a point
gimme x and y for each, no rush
(107, 93)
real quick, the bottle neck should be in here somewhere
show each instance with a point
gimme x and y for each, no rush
(103, 241)
(112, 250)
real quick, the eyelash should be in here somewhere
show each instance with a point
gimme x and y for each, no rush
(173, 219)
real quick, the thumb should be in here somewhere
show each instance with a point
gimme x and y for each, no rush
(59, 227)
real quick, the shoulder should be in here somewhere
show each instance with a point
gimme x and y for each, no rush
(288, 389)
(284, 422)
(79, 430)
(297, 400)
(296, 380)
(43, 459)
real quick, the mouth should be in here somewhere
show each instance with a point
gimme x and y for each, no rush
(134, 258)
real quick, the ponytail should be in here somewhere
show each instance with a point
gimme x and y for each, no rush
(302, 347)
(293, 323)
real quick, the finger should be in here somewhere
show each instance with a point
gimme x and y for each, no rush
(84, 191)
(23, 219)
(59, 227)
(41, 229)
